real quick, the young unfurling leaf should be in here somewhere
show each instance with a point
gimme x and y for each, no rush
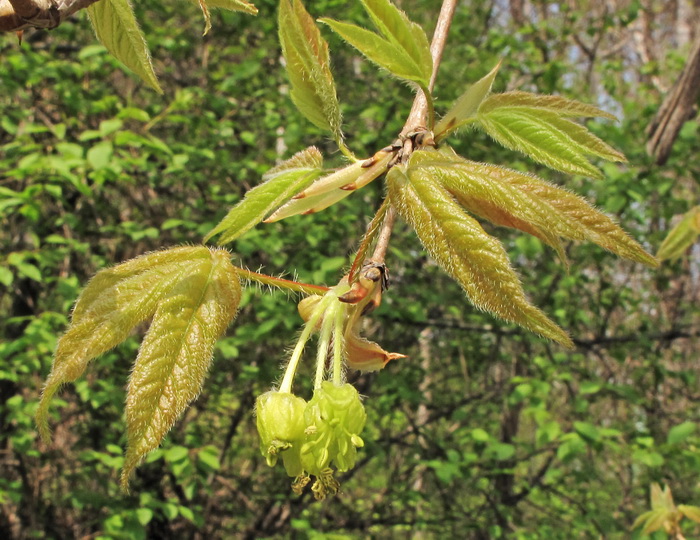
(513, 199)
(330, 189)
(537, 126)
(280, 184)
(308, 66)
(170, 284)
(464, 109)
(398, 29)
(176, 352)
(462, 248)
(682, 236)
(403, 50)
(116, 28)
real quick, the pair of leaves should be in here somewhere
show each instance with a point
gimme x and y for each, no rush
(402, 48)
(664, 514)
(191, 294)
(308, 67)
(116, 28)
(430, 192)
(536, 125)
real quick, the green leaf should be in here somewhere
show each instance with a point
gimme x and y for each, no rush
(587, 431)
(682, 236)
(462, 248)
(514, 199)
(280, 184)
(656, 520)
(308, 66)
(642, 518)
(681, 432)
(112, 304)
(691, 512)
(382, 52)
(332, 188)
(536, 126)
(176, 352)
(399, 30)
(232, 5)
(661, 499)
(464, 109)
(116, 28)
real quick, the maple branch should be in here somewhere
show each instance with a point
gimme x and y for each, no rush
(16, 15)
(419, 112)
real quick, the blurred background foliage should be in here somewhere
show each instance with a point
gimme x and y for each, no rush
(485, 431)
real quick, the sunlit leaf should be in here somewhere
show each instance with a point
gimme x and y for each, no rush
(176, 352)
(308, 66)
(642, 518)
(399, 30)
(477, 189)
(555, 104)
(656, 520)
(464, 109)
(116, 28)
(681, 432)
(460, 246)
(381, 51)
(280, 184)
(534, 125)
(682, 236)
(520, 200)
(691, 512)
(328, 190)
(112, 304)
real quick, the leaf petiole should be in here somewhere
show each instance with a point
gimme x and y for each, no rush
(282, 283)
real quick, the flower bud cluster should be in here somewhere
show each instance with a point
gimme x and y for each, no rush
(314, 437)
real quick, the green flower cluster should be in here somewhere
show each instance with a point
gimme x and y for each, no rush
(312, 438)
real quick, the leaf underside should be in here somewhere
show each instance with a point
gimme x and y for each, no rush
(522, 201)
(465, 251)
(681, 236)
(116, 28)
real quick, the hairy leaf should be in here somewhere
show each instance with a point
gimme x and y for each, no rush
(691, 512)
(399, 30)
(462, 248)
(682, 236)
(280, 184)
(464, 109)
(116, 28)
(514, 199)
(112, 304)
(381, 51)
(176, 352)
(330, 189)
(308, 66)
(533, 125)
(555, 104)
(656, 520)
(473, 185)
